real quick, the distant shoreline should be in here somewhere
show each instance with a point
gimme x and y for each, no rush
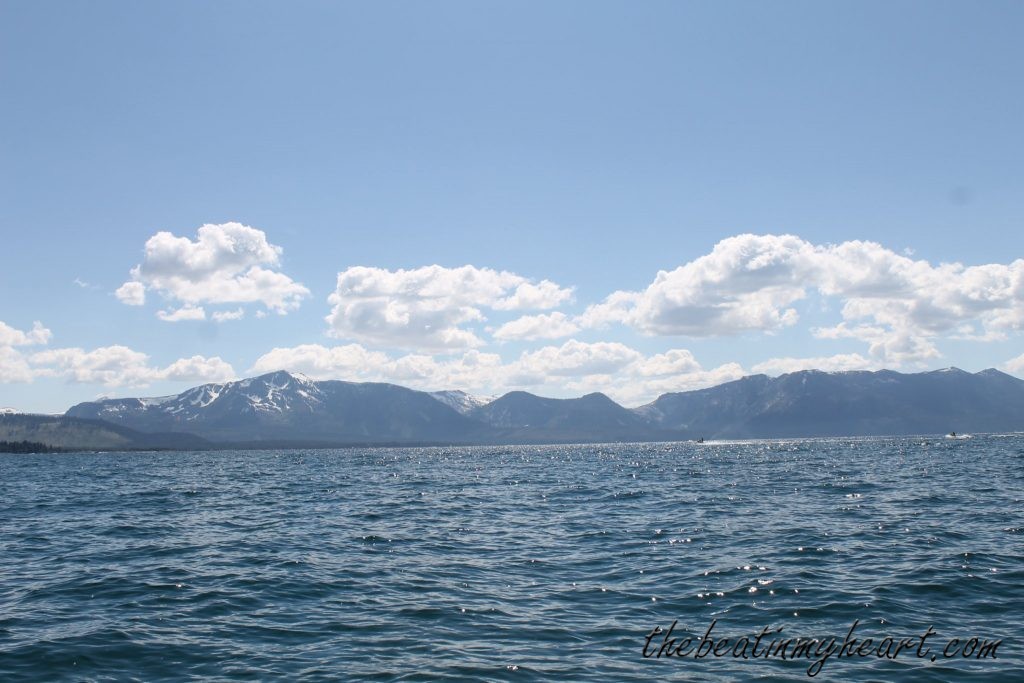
(280, 410)
(259, 446)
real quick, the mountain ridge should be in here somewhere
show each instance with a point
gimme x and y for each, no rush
(66, 433)
(283, 408)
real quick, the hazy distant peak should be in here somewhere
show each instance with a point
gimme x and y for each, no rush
(596, 397)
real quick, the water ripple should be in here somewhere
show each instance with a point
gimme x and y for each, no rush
(504, 563)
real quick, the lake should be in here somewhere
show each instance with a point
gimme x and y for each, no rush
(511, 563)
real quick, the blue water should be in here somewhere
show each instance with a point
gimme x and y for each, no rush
(511, 563)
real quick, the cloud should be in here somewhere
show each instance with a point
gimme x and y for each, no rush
(837, 363)
(131, 293)
(351, 361)
(14, 365)
(1015, 364)
(545, 294)
(197, 369)
(79, 282)
(222, 316)
(622, 372)
(429, 308)
(109, 365)
(116, 366)
(892, 345)
(746, 283)
(616, 308)
(228, 263)
(472, 370)
(633, 391)
(38, 335)
(542, 326)
(897, 305)
(571, 359)
(673, 362)
(183, 313)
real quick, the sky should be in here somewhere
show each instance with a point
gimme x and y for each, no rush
(559, 197)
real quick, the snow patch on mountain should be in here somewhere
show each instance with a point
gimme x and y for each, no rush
(460, 401)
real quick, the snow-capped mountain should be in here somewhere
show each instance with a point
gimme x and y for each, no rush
(276, 392)
(461, 401)
(282, 408)
(285, 406)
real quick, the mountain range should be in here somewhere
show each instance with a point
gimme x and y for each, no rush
(281, 409)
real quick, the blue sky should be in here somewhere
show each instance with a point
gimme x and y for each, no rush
(586, 144)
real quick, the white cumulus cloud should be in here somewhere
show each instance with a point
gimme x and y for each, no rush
(229, 263)
(672, 362)
(542, 295)
(222, 316)
(14, 366)
(350, 361)
(132, 293)
(429, 308)
(541, 326)
(572, 359)
(837, 363)
(117, 366)
(1015, 364)
(183, 313)
(896, 304)
(111, 366)
(10, 336)
(197, 369)
(746, 283)
(623, 373)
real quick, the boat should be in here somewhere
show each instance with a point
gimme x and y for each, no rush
(958, 437)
